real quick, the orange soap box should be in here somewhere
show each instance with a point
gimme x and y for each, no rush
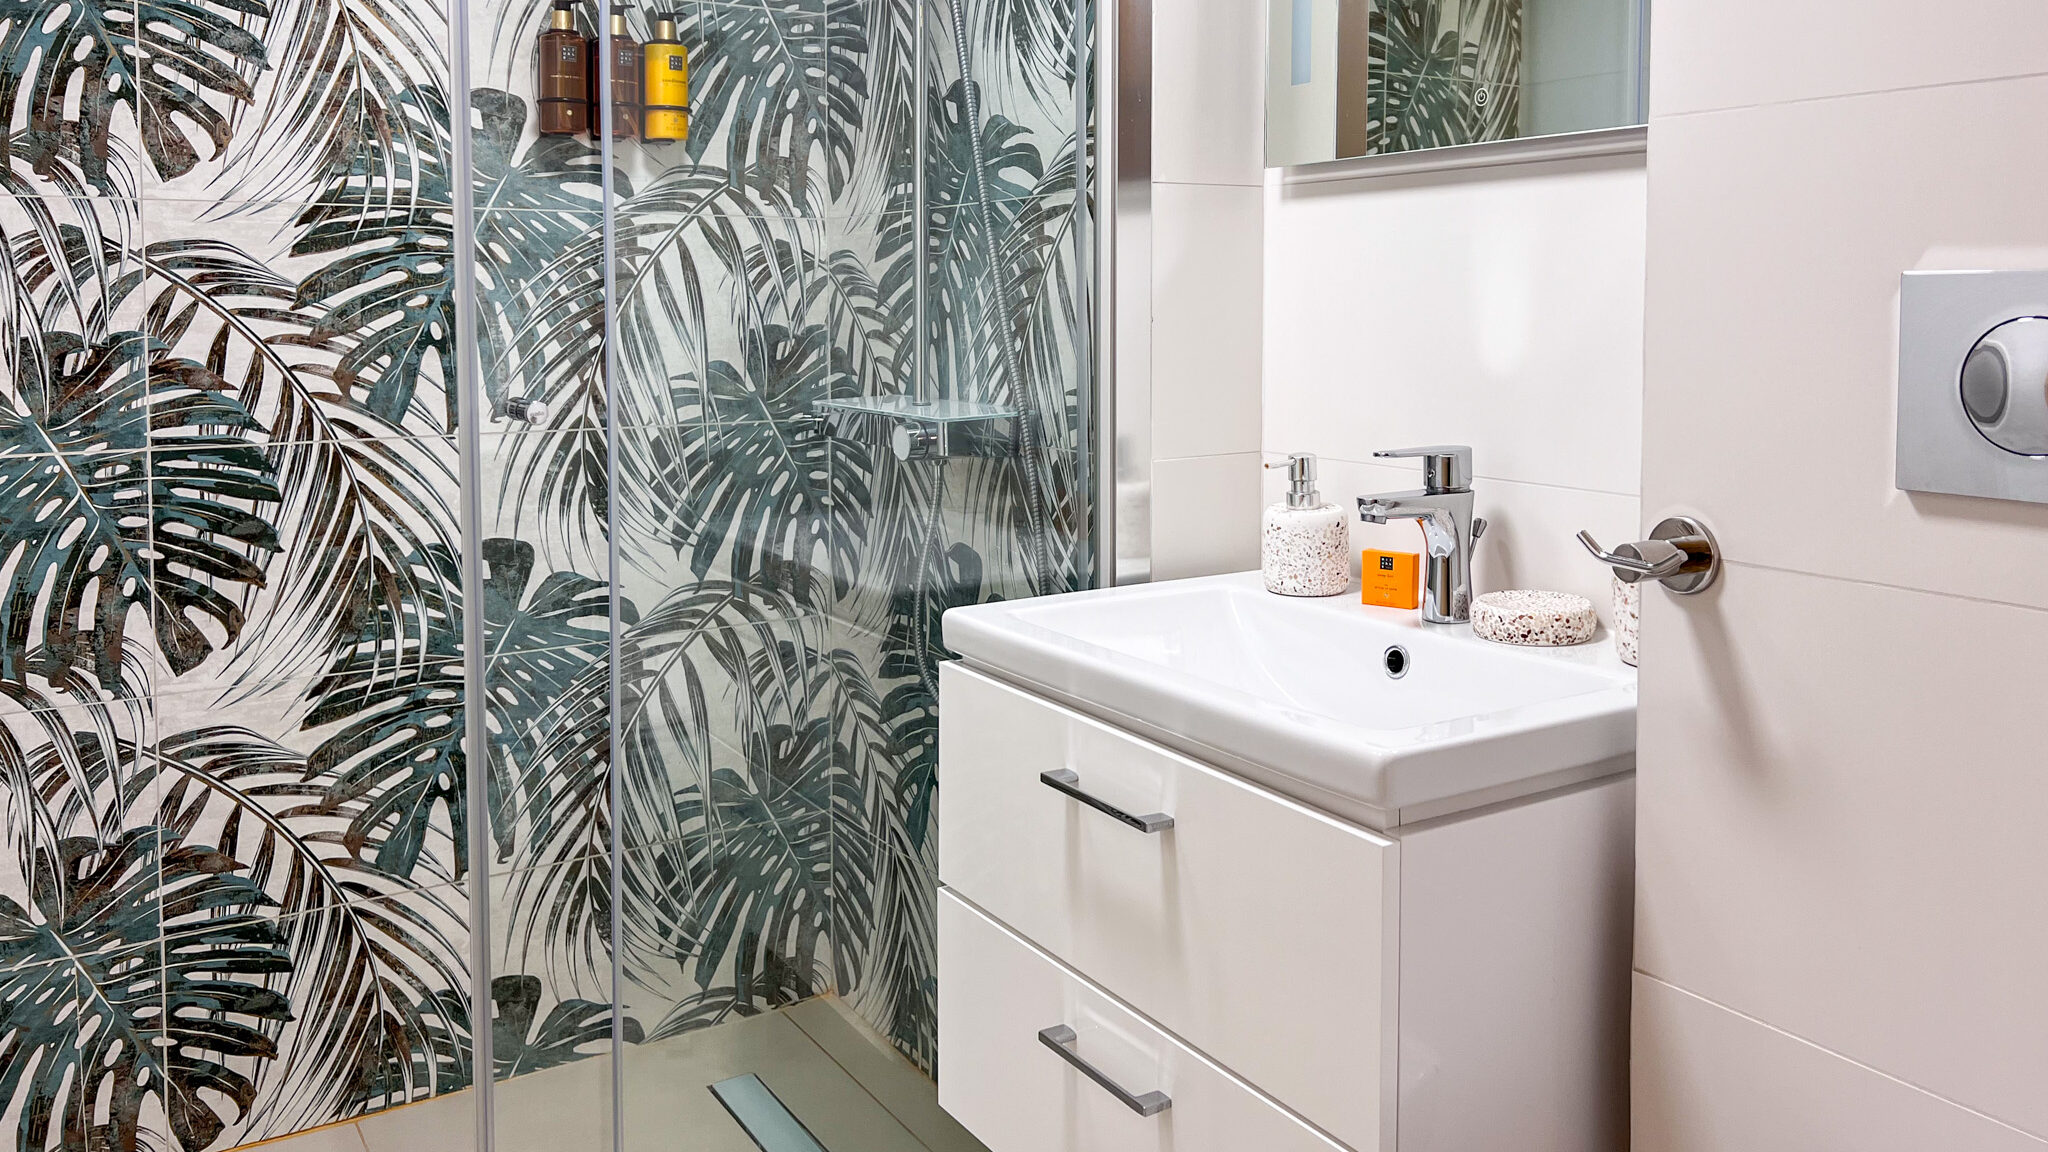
(1391, 579)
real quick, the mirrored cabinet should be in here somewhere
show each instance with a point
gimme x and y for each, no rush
(1355, 78)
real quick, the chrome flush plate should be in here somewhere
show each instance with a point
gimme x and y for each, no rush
(1973, 384)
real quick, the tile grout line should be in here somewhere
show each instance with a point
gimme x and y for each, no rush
(1987, 601)
(1842, 1056)
(1156, 182)
(1936, 86)
(1497, 479)
(857, 1081)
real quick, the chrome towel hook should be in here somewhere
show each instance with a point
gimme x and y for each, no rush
(1680, 552)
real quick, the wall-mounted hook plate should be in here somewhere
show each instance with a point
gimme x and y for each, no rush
(1680, 552)
(1703, 554)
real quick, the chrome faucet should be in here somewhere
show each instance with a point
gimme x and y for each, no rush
(1444, 508)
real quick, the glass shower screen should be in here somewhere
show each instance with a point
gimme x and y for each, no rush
(483, 481)
(778, 349)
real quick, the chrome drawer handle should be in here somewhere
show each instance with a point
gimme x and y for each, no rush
(1060, 1039)
(1068, 782)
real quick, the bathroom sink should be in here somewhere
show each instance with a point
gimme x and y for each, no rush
(1305, 696)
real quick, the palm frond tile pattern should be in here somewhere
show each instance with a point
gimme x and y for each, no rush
(1443, 73)
(236, 891)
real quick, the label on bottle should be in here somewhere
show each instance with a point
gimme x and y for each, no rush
(568, 51)
(676, 64)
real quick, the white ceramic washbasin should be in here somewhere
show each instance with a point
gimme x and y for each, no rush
(1296, 693)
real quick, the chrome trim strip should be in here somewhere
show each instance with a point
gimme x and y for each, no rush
(1127, 284)
(614, 784)
(1097, 447)
(921, 391)
(470, 406)
(1533, 150)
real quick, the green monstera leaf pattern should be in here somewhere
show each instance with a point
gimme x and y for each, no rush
(244, 829)
(1444, 73)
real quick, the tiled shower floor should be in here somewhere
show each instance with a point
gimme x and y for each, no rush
(853, 1091)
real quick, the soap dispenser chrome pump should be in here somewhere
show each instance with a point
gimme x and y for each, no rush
(1305, 543)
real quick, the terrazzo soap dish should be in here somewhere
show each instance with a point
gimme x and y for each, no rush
(1534, 619)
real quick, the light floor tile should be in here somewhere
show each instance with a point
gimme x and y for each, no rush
(840, 1096)
(666, 1090)
(443, 1124)
(884, 1072)
(333, 1138)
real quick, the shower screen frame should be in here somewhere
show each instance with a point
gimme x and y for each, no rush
(1112, 240)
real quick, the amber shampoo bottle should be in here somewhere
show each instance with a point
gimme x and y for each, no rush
(626, 78)
(665, 90)
(562, 81)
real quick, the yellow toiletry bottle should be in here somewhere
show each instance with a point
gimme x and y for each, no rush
(665, 95)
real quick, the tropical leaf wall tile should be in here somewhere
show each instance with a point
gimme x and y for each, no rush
(234, 684)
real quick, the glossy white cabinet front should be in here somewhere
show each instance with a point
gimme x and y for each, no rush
(1255, 929)
(1017, 1095)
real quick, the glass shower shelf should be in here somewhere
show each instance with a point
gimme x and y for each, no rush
(936, 429)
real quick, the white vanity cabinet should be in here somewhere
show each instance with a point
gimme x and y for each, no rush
(1118, 919)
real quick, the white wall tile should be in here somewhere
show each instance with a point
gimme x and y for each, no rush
(1711, 1080)
(1205, 515)
(1208, 91)
(1528, 541)
(1839, 824)
(1777, 236)
(1730, 53)
(1500, 309)
(1207, 307)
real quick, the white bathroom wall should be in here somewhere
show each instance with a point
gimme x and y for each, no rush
(1208, 66)
(1500, 308)
(1842, 927)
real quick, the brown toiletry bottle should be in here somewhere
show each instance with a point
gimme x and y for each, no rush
(625, 78)
(562, 78)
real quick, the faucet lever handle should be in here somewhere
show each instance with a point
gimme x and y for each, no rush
(1445, 467)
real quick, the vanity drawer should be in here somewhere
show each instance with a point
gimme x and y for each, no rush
(1258, 931)
(1000, 1079)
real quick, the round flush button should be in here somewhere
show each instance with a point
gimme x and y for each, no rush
(2005, 386)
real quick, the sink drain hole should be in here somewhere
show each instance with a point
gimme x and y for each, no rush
(1396, 661)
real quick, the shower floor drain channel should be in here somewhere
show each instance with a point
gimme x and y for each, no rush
(768, 1121)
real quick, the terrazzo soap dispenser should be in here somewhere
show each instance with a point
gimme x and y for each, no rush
(1305, 544)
